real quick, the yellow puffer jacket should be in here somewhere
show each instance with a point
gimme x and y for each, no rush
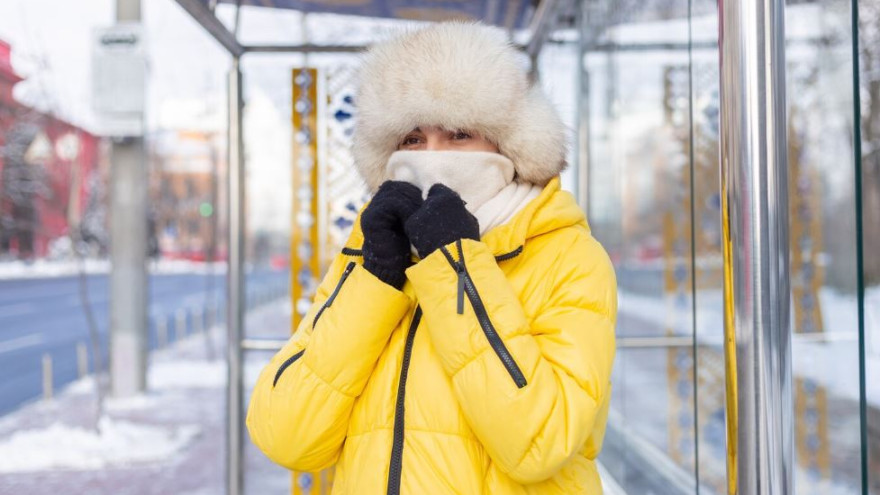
(489, 373)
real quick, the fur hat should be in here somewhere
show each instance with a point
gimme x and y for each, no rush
(455, 75)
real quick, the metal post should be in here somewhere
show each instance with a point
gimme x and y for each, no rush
(48, 377)
(585, 39)
(210, 312)
(235, 285)
(754, 185)
(161, 331)
(198, 320)
(82, 360)
(180, 324)
(128, 253)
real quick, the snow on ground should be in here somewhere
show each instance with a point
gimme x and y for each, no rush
(171, 439)
(832, 361)
(61, 446)
(44, 268)
(124, 437)
(187, 375)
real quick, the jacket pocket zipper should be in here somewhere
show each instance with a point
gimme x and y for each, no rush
(466, 286)
(285, 364)
(327, 303)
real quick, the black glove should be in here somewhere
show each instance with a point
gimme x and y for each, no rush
(441, 219)
(386, 248)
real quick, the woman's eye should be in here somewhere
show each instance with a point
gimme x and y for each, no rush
(461, 135)
(409, 140)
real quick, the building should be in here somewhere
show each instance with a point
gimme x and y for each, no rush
(49, 176)
(187, 163)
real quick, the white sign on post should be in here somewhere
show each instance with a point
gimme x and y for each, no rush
(119, 74)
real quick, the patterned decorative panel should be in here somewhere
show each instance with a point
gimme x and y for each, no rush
(328, 194)
(305, 253)
(677, 266)
(345, 191)
(807, 278)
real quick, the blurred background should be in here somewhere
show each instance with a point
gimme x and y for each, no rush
(120, 190)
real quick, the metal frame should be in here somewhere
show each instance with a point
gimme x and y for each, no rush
(235, 291)
(209, 22)
(754, 192)
(756, 248)
(204, 15)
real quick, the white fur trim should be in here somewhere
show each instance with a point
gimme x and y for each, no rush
(454, 75)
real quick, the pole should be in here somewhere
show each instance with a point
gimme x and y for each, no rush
(128, 253)
(754, 187)
(128, 278)
(582, 172)
(235, 285)
(48, 377)
(82, 360)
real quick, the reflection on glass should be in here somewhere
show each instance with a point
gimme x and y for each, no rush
(654, 203)
(640, 196)
(825, 348)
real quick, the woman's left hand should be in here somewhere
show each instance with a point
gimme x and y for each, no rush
(440, 220)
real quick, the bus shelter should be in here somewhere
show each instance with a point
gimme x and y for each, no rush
(753, 157)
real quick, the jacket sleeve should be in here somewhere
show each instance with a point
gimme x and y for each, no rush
(302, 401)
(533, 390)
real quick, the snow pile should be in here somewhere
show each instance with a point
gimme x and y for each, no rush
(169, 266)
(162, 376)
(168, 375)
(44, 268)
(49, 268)
(120, 443)
(136, 403)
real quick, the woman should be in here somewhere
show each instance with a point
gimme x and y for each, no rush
(462, 342)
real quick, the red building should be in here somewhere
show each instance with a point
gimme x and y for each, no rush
(49, 175)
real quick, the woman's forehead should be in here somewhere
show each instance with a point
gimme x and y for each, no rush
(433, 128)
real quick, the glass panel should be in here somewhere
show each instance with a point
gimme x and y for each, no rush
(654, 202)
(557, 67)
(268, 141)
(639, 204)
(303, 200)
(708, 260)
(825, 347)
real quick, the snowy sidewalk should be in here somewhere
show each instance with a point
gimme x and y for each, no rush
(170, 440)
(45, 268)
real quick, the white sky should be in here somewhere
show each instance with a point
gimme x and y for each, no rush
(51, 47)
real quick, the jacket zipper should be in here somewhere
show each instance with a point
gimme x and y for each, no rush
(285, 364)
(509, 256)
(327, 303)
(347, 251)
(395, 469)
(466, 286)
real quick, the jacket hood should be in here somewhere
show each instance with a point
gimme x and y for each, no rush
(455, 75)
(553, 209)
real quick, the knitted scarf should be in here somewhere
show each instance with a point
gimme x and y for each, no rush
(484, 180)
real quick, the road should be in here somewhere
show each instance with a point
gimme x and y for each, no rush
(46, 316)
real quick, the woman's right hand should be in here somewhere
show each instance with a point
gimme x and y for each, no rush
(386, 247)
